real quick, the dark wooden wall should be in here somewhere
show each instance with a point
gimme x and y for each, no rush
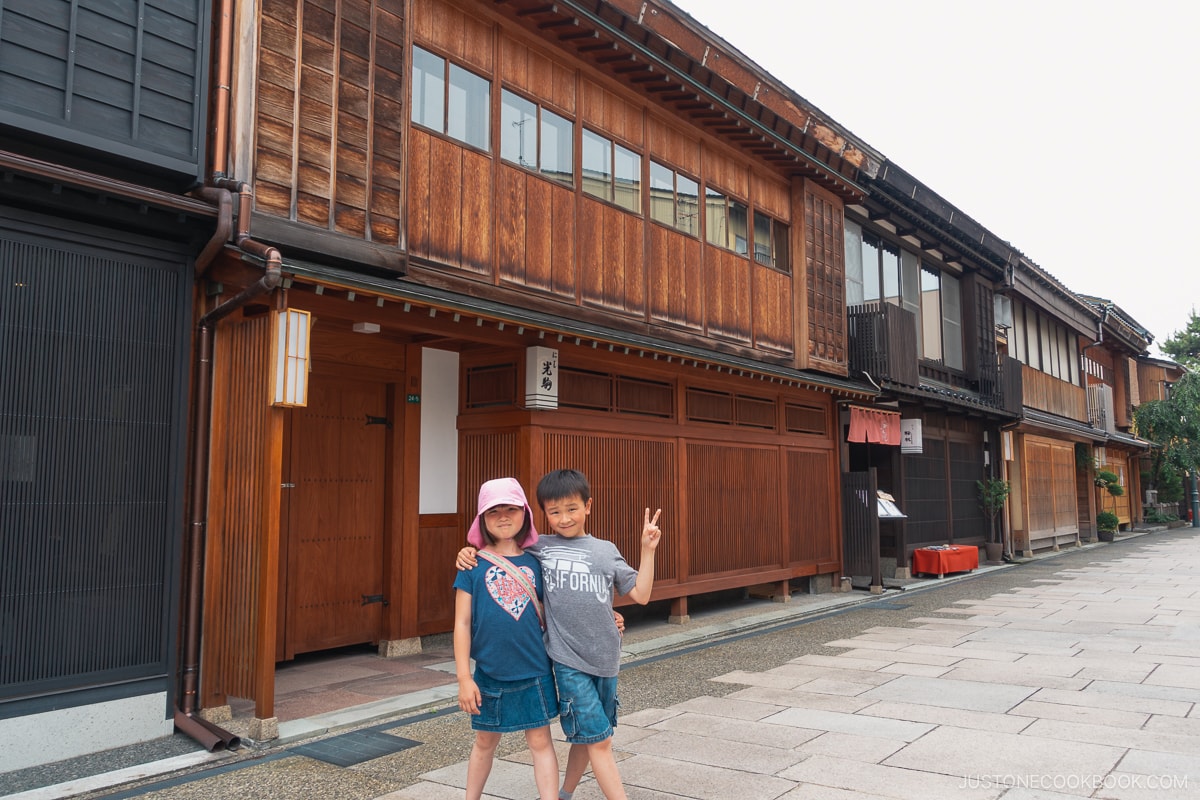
(115, 88)
(330, 116)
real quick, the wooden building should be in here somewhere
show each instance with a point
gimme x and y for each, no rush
(527, 237)
(103, 117)
(1110, 367)
(1052, 501)
(1078, 357)
(281, 283)
(922, 285)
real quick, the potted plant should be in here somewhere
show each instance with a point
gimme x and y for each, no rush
(993, 493)
(1107, 521)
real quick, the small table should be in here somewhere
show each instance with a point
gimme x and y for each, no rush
(943, 560)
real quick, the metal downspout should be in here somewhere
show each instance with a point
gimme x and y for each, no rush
(211, 736)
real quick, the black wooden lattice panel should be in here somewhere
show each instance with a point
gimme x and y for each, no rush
(92, 348)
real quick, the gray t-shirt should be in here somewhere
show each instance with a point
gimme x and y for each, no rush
(579, 575)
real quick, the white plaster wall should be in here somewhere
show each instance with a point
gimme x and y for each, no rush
(439, 431)
(51, 736)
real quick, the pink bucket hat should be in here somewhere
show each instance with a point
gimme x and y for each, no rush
(500, 492)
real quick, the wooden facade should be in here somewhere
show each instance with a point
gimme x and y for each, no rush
(935, 362)
(698, 323)
(683, 249)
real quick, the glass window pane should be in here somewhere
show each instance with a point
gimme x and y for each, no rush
(558, 136)
(662, 193)
(890, 262)
(1044, 337)
(1031, 339)
(716, 227)
(627, 171)
(467, 107)
(687, 205)
(952, 340)
(429, 90)
(597, 165)
(1016, 339)
(1073, 357)
(910, 292)
(779, 239)
(870, 270)
(518, 130)
(852, 233)
(931, 314)
(739, 234)
(762, 240)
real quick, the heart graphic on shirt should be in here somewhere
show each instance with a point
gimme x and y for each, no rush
(506, 591)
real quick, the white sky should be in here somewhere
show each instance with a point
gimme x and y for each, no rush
(1068, 128)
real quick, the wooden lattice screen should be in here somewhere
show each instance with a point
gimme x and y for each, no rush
(626, 476)
(824, 248)
(244, 472)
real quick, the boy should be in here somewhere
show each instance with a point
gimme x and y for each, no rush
(580, 574)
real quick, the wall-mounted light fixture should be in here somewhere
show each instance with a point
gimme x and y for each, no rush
(289, 358)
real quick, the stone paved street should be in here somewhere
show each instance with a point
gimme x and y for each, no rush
(1085, 683)
(1074, 675)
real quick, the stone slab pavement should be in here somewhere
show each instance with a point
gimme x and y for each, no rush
(1084, 685)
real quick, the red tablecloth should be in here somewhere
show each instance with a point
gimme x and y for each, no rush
(939, 562)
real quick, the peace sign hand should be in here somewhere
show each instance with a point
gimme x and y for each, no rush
(650, 530)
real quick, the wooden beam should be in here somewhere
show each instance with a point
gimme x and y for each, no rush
(580, 34)
(535, 10)
(565, 22)
(596, 48)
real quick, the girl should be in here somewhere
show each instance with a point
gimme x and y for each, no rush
(497, 622)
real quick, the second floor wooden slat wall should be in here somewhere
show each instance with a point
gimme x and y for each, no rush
(559, 241)
(334, 150)
(1053, 395)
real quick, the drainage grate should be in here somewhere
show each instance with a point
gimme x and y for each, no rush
(355, 747)
(890, 605)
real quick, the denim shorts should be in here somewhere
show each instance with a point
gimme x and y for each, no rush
(507, 706)
(587, 705)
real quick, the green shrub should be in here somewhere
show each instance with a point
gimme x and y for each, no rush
(1107, 521)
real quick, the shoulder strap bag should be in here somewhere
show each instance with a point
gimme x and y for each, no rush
(521, 578)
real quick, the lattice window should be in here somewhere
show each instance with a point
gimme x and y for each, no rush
(755, 412)
(601, 391)
(705, 406)
(723, 408)
(491, 386)
(579, 388)
(652, 398)
(805, 419)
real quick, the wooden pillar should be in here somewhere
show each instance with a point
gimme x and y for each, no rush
(266, 725)
(679, 611)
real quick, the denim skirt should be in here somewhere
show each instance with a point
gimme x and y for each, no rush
(507, 706)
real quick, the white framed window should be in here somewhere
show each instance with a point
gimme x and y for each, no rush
(450, 100)
(726, 222)
(536, 138)
(674, 199)
(611, 172)
(771, 242)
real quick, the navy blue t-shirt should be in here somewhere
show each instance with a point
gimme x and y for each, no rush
(506, 637)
